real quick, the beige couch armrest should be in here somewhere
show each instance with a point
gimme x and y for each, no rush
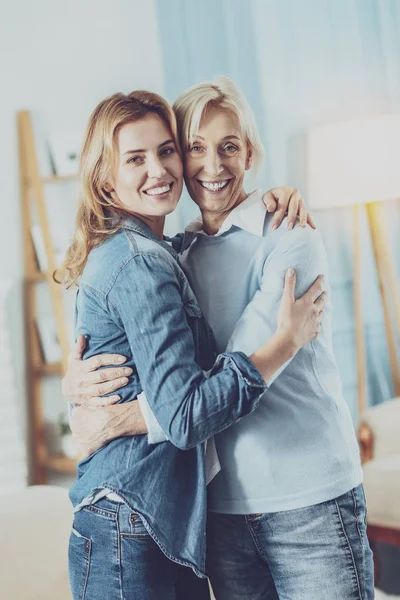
(383, 421)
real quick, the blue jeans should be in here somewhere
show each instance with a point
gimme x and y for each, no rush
(316, 553)
(112, 556)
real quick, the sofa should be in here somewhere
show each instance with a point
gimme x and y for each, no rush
(35, 524)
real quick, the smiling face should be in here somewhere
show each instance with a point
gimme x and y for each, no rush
(148, 174)
(215, 162)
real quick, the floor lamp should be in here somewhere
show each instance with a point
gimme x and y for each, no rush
(357, 163)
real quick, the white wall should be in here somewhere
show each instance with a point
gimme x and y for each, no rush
(62, 58)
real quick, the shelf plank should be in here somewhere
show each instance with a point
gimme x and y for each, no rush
(37, 276)
(61, 463)
(59, 178)
(49, 369)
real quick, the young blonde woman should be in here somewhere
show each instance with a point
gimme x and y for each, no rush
(140, 509)
(287, 511)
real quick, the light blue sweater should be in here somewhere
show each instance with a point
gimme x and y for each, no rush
(299, 447)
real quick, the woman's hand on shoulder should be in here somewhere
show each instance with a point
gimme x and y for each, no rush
(300, 320)
(287, 200)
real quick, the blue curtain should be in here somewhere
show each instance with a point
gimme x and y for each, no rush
(301, 64)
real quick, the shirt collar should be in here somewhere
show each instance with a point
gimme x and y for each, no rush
(249, 216)
(134, 224)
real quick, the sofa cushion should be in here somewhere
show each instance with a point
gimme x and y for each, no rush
(382, 490)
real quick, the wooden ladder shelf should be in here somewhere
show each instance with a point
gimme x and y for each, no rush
(33, 199)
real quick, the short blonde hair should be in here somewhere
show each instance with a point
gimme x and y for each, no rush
(192, 104)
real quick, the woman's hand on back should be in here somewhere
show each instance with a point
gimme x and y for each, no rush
(92, 427)
(85, 382)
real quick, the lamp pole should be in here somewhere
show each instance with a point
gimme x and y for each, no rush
(387, 278)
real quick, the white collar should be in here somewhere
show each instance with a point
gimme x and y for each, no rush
(249, 216)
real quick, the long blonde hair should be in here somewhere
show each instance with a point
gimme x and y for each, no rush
(98, 216)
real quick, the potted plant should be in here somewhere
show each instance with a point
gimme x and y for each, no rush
(67, 443)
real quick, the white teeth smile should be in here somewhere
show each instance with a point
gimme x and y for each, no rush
(158, 191)
(214, 187)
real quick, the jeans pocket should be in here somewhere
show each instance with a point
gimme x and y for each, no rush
(79, 553)
(137, 528)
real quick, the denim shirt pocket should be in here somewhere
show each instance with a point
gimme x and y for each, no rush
(202, 334)
(190, 303)
(192, 309)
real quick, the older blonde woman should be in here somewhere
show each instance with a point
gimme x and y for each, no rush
(140, 510)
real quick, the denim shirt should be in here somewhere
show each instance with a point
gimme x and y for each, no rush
(134, 299)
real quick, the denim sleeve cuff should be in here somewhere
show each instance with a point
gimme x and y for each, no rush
(155, 433)
(245, 368)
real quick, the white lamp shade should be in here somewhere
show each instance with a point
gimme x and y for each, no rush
(354, 162)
